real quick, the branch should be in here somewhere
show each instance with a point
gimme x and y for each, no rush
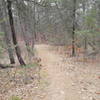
(37, 3)
(5, 66)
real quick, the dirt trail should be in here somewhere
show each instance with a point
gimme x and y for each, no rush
(60, 87)
(62, 78)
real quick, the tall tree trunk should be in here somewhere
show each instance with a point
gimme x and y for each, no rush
(98, 15)
(3, 26)
(34, 21)
(73, 30)
(84, 27)
(9, 48)
(23, 27)
(17, 49)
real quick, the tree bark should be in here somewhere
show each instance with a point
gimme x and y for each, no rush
(73, 29)
(17, 49)
(34, 22)
(3, 26)
(84, 27)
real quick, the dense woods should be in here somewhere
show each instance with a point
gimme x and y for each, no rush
(73, 23)
(70, 26)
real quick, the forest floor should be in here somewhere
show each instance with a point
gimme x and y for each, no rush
(60, 78)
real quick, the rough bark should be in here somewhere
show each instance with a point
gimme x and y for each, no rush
(3, 26)
(17, 49)
(73, 29)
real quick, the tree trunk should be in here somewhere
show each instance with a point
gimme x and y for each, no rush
(17, 49)
(84, 27)
(3, 26)
(73, 30)
(98, 15)
(9, 48)
(34, 23)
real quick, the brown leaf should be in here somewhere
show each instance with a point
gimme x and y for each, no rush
(98, 93)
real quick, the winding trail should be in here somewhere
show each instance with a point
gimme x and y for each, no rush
(60, 85)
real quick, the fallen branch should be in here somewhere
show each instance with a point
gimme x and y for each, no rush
(5, 66)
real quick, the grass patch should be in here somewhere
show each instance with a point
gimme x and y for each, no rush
(14, 98)
(30, 65)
